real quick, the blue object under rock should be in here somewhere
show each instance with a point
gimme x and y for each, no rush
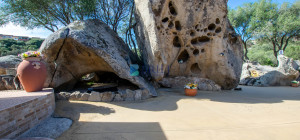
(134, 70)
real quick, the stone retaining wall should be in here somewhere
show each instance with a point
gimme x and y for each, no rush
(120, 95)
(17, 118)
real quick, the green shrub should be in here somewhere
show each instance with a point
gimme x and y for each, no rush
(263, 53)
(13, 47)
(293, 51)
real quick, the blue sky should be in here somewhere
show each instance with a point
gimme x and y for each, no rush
(11, 29)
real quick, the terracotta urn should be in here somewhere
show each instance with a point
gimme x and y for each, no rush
(295, 84)
(32, 74)
(190, 92)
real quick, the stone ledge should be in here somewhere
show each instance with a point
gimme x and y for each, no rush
(120, 95)
(21, 111)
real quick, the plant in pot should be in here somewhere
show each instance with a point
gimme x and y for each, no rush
(295, 83)
(190, 89)
(31, 71)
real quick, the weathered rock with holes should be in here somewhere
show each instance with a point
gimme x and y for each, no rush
(269, 76)
(8, 64)
(191, 38)
(203, 84)
(84, 47)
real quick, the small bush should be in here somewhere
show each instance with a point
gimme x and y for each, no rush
(263, 53)
(293, 51)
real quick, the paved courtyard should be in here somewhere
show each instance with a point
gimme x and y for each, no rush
(255, 113)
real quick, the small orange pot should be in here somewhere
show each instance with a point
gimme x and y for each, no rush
(32, 74)
(190, 92)
(295, 84)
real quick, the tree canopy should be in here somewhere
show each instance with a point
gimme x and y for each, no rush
(268, 21)
(53, 14)
(277, 24)
(241, 19)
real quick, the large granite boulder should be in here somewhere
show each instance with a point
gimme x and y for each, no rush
(85, 47)
(296, 64)
(191, 38)
(8, 64)
(254, 74)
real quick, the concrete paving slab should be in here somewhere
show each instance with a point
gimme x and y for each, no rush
(260, 113)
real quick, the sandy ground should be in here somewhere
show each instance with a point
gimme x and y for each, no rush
(255, 113)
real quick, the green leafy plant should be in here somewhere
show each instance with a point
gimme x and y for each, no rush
(191, 86)
(30, 54)
(90, 83)
(295, 82)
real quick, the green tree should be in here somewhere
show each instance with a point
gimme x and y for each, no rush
(113, 12)
(53, 14)
(241, 19)
(49, 14)
(32, 47)
(13, 47)
(277, 24)
(7, 43)
(3, 51)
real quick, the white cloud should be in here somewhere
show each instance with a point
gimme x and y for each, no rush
(11, 29)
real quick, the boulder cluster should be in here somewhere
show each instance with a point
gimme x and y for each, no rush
(254, 74)
(180, 41)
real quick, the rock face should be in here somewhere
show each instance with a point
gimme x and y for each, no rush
(269, 76)
(8, 64)
(85, 47)
(191, 38)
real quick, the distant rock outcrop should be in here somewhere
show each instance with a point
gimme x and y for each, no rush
(258, 75)
(8, 64)
(191, 38)
(85, 47)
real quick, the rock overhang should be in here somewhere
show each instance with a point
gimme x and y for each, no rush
(84, 47)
